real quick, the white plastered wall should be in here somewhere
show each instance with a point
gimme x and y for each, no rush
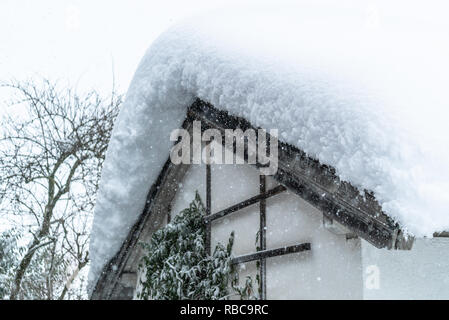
(331, 270)
(422, 273)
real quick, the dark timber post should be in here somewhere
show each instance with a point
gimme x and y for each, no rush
(263, 239)
(208, 199)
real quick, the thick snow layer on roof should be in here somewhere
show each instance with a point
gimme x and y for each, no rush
(361, 86)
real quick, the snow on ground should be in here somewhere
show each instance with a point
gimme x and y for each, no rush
(362, 86)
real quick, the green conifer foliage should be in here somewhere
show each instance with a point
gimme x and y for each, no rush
(177, 267)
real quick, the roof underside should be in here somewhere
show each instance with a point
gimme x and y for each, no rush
(318, 184)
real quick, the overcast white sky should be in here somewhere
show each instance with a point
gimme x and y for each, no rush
(80, 40)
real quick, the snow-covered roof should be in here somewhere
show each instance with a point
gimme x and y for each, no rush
(361, 86)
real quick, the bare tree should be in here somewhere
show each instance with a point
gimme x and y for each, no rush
(52, 148)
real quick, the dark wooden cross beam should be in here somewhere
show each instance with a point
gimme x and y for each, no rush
(245, 203)
(272, 253)
(208, 200)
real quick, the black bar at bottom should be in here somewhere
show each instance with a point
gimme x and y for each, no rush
(272, 253)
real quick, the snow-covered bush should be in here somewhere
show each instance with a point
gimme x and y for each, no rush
(9, 255)
(177, 267)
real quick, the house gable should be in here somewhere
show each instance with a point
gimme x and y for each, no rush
(339, 201)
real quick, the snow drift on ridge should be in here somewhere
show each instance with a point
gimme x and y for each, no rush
(362, 87)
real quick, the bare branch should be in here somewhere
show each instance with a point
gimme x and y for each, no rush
(50, 164)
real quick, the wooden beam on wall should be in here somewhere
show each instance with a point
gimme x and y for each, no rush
(246, 203)
(262, 238)
(208, 199)
(272, 253)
